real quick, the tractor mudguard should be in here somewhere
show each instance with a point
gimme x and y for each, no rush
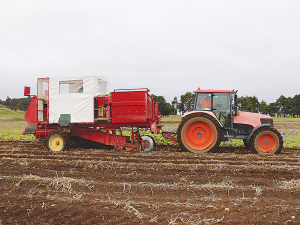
(207, 112)
(255, 129)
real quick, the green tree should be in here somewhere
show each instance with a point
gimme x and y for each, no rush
(186, 102)
(165, 108)
(254, 104)
(249, 104)
(16, 103)
(296, 105)
(264, 108)
(273, 109)
(174, 105)
(283, 105)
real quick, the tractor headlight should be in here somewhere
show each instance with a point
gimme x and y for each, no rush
(267, 121)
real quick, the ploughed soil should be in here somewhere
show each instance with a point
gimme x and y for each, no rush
(93, 185)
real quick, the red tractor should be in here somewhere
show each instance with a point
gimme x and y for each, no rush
(66, 110)
(216, 118)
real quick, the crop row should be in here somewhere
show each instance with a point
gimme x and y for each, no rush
(292, 141)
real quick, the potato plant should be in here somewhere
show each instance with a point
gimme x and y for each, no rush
(12, 128)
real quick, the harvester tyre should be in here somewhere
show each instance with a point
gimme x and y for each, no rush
(57, 141)
(138, 146)
(199, 133)
(266, 141)
(149, 143)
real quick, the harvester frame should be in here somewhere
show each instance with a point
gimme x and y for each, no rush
(123, 110)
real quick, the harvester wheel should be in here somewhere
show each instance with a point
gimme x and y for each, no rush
(266, 141)
(199, 133)
(149, 141)
(57, 141)
(137, 146)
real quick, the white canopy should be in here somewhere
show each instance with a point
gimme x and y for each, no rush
(75, 96)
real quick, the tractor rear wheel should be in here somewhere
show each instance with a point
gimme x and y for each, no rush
(57, 141)
(266, 141)
(199, 133)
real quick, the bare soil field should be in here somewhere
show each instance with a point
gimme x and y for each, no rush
(97, 185)
(93, 185)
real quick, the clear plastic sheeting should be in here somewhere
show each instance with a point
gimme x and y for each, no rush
(75, 96)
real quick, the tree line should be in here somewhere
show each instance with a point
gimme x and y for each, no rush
(282, 107)
(16, 103)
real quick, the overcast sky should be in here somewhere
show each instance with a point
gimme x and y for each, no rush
(168, 46)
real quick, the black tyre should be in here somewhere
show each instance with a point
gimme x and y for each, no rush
(199, 133)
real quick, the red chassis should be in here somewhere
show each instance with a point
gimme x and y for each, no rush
(124, 110)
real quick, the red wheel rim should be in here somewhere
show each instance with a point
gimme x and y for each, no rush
(147, 144)
(136, 146)
(199, 135)
(267, 143)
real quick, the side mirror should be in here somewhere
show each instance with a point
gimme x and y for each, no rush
(26, 91)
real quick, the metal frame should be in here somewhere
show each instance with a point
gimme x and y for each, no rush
(103, 130)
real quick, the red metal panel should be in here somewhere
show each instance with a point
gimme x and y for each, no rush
(26, 91)
(129, 107)
(102, 137)
(31, 112)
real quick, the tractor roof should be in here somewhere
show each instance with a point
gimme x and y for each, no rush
(212, 91)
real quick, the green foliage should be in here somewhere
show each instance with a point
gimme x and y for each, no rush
(159, 138)
(186, 102)
(264, 108)
(296, 105)
(284, 106)
(6, 112)
(249, 104)
(273, 109)
(292, 141)
(12, 115)
(16, 103)
(165, 108)
(174, 105)
(15, 135)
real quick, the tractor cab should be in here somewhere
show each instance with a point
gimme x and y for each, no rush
(221, 102)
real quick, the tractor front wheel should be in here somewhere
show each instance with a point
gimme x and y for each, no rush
(57, 141)
(266, 141)
(199, 133)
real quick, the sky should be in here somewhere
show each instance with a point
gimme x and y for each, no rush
(168, 46)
